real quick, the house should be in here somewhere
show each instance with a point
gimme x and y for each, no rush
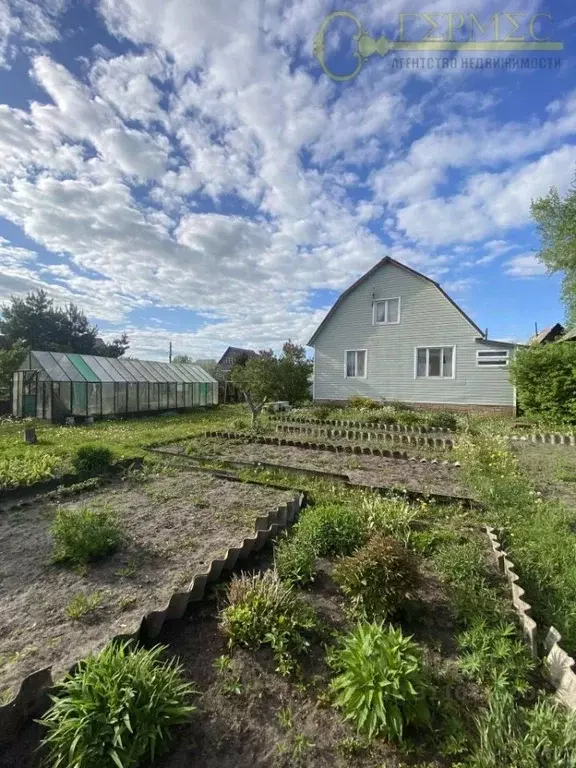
(548, 335)
(396, 334)
(570, 336)
(232, 356)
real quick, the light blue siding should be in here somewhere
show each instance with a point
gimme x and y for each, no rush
(428, 319)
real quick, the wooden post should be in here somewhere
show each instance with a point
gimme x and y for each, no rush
(30, 436)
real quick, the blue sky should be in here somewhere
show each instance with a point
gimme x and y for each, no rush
(186, 171)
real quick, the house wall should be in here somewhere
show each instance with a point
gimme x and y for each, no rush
(427, 319)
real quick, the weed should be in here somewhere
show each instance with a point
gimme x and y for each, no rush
(129, 571)
(378, 577)
(301, 744)
(125, 603)
(390, 517)
(332, 529)
(351, 746)
(295, 559)
(95, 459)
(223, 663)
(263, 610)
(82, 606)
(117, 709)
(82, 535)
(380, 685)
(285, 718)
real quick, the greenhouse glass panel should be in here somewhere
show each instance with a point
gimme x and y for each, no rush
(79, 398)
(180, 396)
(172, 395)
(163, 396)
(188, 388)
(113, 374)
(62, 403)
(120, 369)
(196, 393)
(94, 401)
(143, 396)
(120, 397)
(65, 364)
(139, 369)
(159, 370)
(82, 366)
(47, 361)
(149, 371)
(154, 397)
(134, 372)
(132, 397)
(107, 398)
(47, 400)
(96, 365)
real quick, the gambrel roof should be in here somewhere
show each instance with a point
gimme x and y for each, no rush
(375, 268)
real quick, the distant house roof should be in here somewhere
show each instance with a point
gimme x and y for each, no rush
(232, 354)
(570, 336)
(375, 268)
(548, 334)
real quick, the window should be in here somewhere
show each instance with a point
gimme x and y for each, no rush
(355, 367)
(387, 312)
(493, 358)
(435, 363)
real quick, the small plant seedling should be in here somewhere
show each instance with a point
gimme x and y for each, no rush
(82, 605)
(223, 663)
(351, 746)
(301, 744)
(129, 570)
(233, 686)
(285, 718)
(125, 603)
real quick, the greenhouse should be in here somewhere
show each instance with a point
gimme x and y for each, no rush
(56, 385)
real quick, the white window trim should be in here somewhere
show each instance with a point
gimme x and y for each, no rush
(385, 322)
(365, 364)
(504, 354)
(435, 378)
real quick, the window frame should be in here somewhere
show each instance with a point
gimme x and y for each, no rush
(375, 302)
(346, 351)
(493, 354)
(427, 377)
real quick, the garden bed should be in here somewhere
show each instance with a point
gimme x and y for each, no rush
(361, 469)
(552, 469)
(175, 524)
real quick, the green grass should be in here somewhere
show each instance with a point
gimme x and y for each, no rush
(23, 464)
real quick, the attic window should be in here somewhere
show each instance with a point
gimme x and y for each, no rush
(493, 358)
(387, 312)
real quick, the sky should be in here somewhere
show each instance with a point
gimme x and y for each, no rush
(186, 171)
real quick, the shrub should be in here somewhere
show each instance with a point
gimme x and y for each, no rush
(399, 406)
(82, 535)
(321, 412)
(378, 577)
(332, 529)
(295, 559)
(92, 458)
(358, 402)
(388, 516)
(263, 610)
(495, 656)
(117, 709)
(380, 684)
(545, 381)
(442, 420)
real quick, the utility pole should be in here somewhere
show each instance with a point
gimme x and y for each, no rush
(170, 353)
(536, 328)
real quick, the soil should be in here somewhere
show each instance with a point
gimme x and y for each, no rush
(364, 470)
(243, 729)
(174, 524)
(552, 469)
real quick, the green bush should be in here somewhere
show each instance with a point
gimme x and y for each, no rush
(378, 577)
(379, 684)
(82, 535)
(295, 559)
(496, 657)
(510, 735)
(442, 420)
(263, 610)
(321, 412)
(358, 402)
(388, 516)
(332, 529)
(117, 709)
(545, 377)
(92, 458)
(399, 406)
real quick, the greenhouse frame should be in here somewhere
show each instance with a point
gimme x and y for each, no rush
(56, 385)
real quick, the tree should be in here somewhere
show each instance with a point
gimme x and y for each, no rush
(36, 322)
(545, 379)
(268, 377)
(181, 359)
(556, 221)
(10, 359)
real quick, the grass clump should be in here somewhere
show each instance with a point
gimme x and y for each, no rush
(81, 606)
(295, 560)
(379, 684)
(332, 529)
(85, 534)
(263, 610)
(442, 420)
(117, 710)
(378, 577)
(95, 459)
(388, 516)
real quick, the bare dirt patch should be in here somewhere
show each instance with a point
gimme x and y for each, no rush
(175, 524)
(364, 470)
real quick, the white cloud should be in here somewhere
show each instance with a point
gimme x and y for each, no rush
(524, 266)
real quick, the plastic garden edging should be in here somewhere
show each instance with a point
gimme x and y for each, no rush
(559, 665)
(381, 425)
(32, 695)
(366, 434)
